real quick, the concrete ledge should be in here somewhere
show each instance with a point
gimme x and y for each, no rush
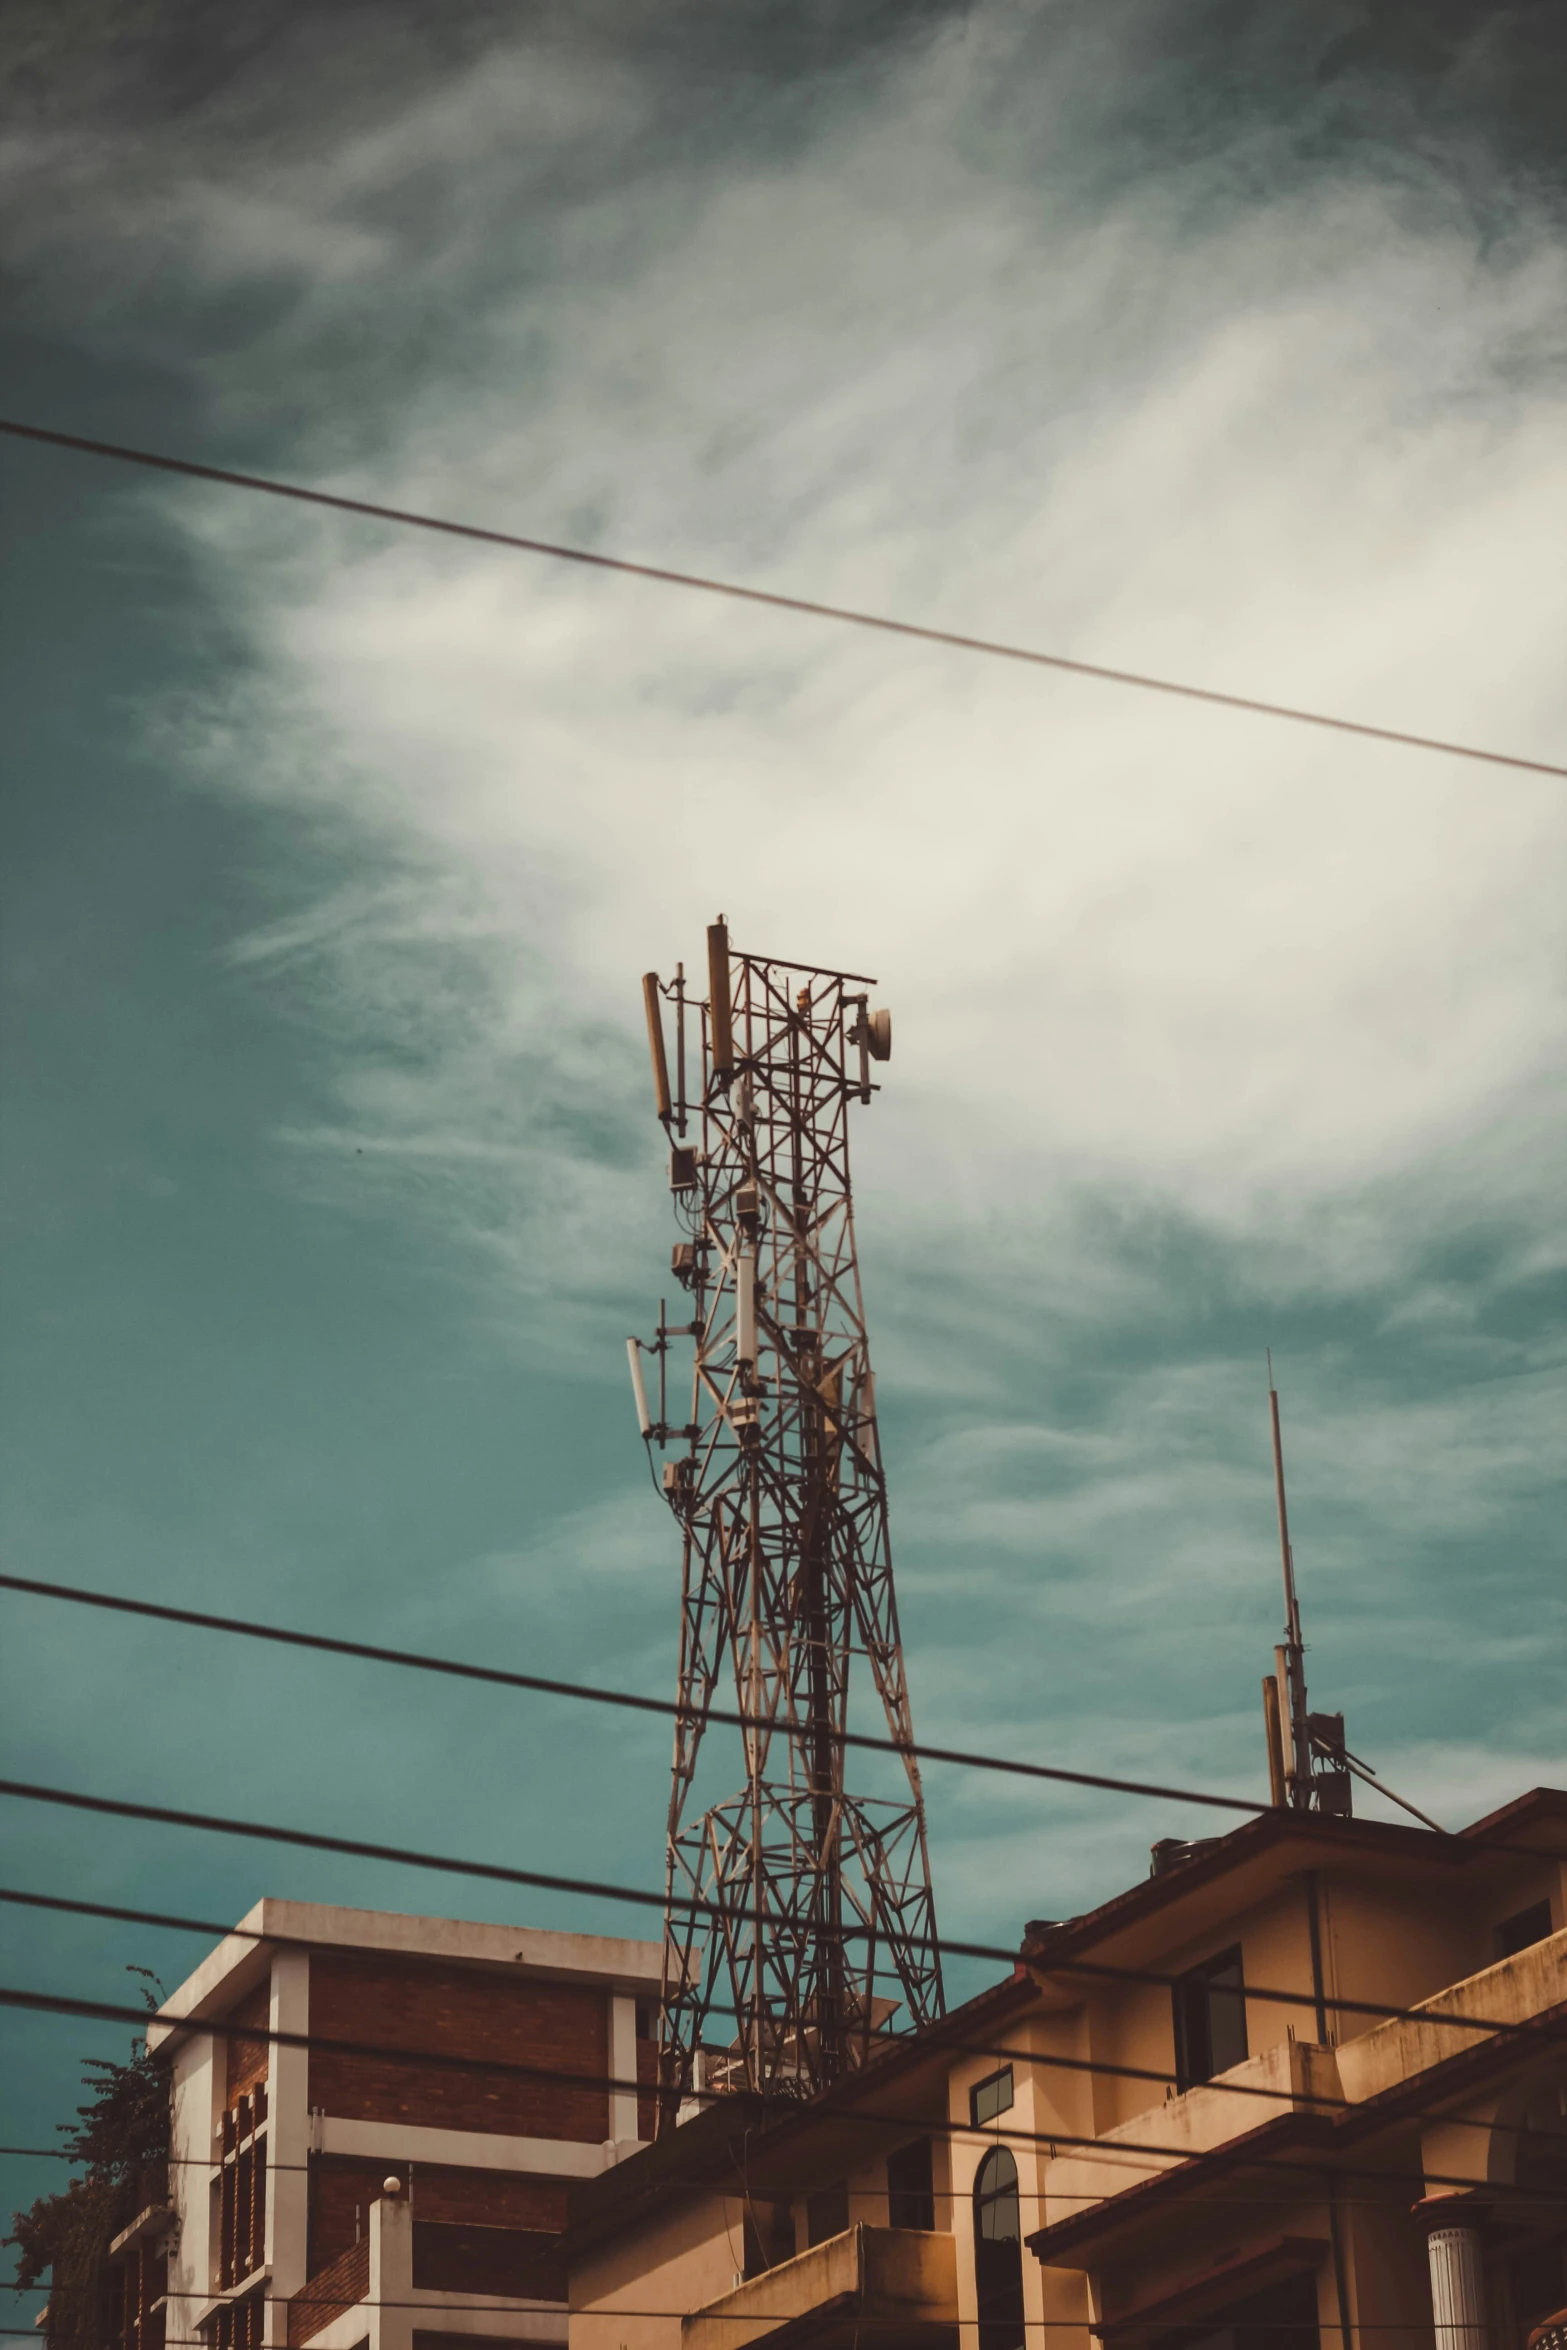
(1293, 2076)
(397, 2142)
(1513, 1991)
(257, 2280)
(153, 2221)
(868, 2281)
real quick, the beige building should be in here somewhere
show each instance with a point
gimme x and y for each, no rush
(1185, 2121)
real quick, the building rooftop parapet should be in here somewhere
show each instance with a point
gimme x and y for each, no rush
(241, 1958)
(1274, 1847)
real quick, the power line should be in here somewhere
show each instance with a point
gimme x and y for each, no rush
(586, 1693)
(165, 1815)
(706, 2316)
(419, 1660)
(999, 2052)
(380, 2162)
(806, 606)
(107, 2011)
(750, 2318)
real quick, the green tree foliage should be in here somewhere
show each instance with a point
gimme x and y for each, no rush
(121, 2135)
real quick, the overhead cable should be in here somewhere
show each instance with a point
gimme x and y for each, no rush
(586, 1693)
(109, 2011)
(806, 606)
(877, 2194)
(1385, 2325)
(996, 2052)
(165, 1815)
(418, 1660)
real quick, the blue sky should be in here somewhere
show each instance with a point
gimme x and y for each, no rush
(334, 857)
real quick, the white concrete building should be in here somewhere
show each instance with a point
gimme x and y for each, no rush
(375, 2122)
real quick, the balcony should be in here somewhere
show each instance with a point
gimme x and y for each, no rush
(1290, 2077)
(880, 2288)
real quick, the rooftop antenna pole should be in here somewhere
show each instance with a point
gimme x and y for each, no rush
(1309, 1764)
(1290, 1658)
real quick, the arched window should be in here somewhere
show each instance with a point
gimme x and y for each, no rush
(998, 2253)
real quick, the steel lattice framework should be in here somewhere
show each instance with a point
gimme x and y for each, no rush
(826, 1923)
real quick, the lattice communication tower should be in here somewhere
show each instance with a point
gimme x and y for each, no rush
(799, 1916)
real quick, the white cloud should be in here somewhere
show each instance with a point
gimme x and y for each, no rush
(1186, 957)
(1291, 998)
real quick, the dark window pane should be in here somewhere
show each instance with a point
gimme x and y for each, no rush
(769, 2236)
(827, 2214)
(998, 2253)
(1210, 2019)
(1531, 1925)
(991, 2096)
(1226, 2016)
(911, 2198)
(1193, 2055)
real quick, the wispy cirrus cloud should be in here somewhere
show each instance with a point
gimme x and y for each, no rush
(1209, 1033)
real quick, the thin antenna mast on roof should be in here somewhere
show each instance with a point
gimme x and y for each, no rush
(1290, 1656)
(1308, 1769)
(1309, 1764)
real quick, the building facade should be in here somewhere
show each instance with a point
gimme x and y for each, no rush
(376, 2122)
(1185, 2121)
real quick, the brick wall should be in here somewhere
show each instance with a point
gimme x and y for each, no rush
(341, 2194)
(343, 2282)
(562, 2027)
(341, 2188)
(247, 2058)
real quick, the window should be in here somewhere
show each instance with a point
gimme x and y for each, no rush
(1210, 2019)
(826, 2214)
(1531, 1925)
(769, 2236)
(998, 2253)
(991, 2096)
(911, 2194)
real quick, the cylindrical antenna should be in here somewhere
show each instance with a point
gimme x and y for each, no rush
(1278, 1792)
(638, 1386)
(860, 1034)
(680, 1046)
(718, 992)
(655, 1044)
(745, 1306)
